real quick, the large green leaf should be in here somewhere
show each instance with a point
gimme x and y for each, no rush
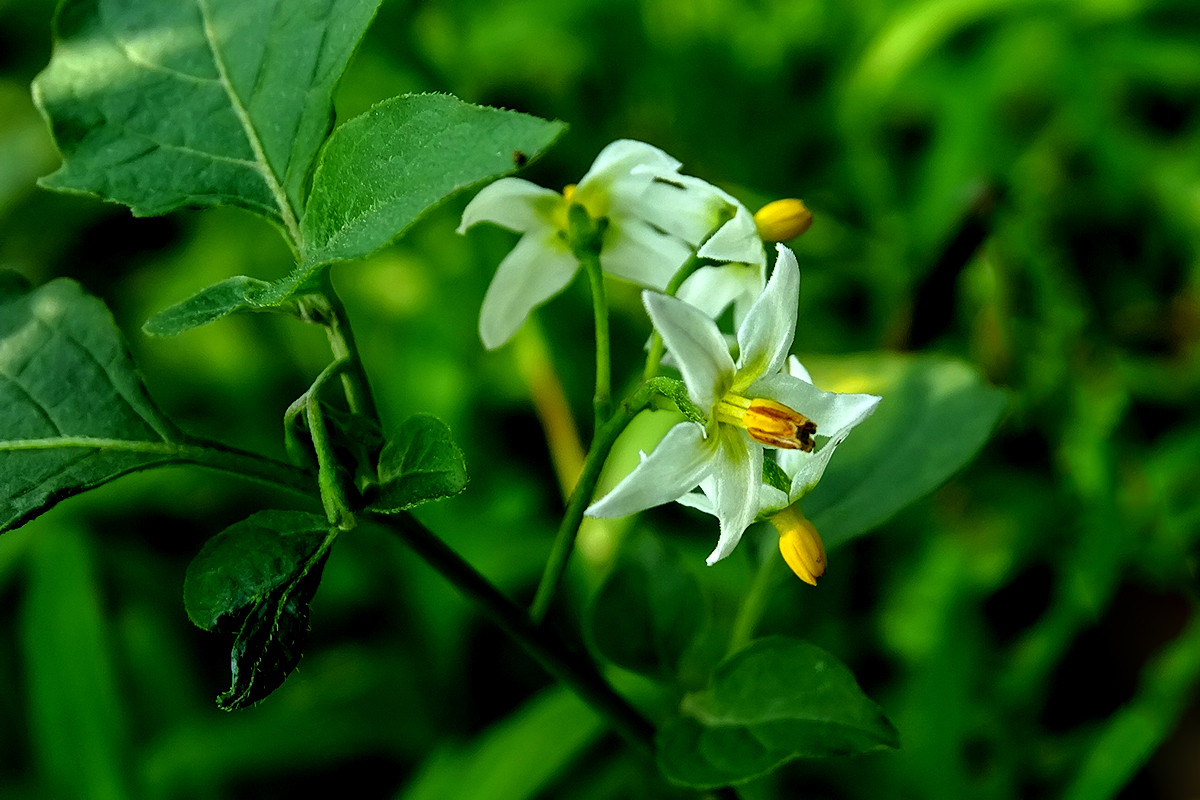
(935, 415)
(257, 578)
(419, 463)
(382, 170)
(648, 611)
(160, 104)
(774, 701)
(75, 413)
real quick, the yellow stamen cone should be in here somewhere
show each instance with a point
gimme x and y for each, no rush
(781, 220)
(800, 544)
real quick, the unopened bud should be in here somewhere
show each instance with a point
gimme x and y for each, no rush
(800, 544)
(781, 220)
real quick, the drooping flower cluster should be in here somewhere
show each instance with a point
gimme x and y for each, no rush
(761, 407)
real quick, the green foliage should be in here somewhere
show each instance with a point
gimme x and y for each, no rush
(935, 415)
(419, 463)
(239, 293)
(76, 713)
(257, 578)
(75, 412)
(165, 105)
(776, 700)
(648, 611)
(383, 170)
(514, 759)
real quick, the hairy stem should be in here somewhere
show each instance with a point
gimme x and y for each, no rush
(602, 400)
(564, 543)
(341, 341)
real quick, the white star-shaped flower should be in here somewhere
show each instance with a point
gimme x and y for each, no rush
(748, 405)
(637, 243)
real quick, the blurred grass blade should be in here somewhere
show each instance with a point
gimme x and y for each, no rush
(517, 758)
(77, 724)
(1130, 737)
(165, 105)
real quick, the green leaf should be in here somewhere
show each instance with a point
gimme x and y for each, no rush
(648, 611)
(77, 723)
(160, 105)
(418, 464)
(257, 577)
(777, 700)
(75, 413)
(235, 294)
(384, 169)
(935, 415)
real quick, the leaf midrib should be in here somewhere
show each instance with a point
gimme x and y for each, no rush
(286, 213)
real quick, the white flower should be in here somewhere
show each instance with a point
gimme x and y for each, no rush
(740, 274)
(637, 244)
(803, 468)
(748, 405)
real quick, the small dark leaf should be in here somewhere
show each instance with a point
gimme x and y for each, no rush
(777, 700)
(257, 578)
(418, 464)
(648, 611)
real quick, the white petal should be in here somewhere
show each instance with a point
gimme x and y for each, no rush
(514, 204)
(798, 370)
(681, 460)
(620, 158)
(701, 498)
(736, 241)
(765, 336)
(835, 413)
(636, 252)
(712, 289)
(537, 269)
(737, 476)
(681, 205)
(698, 347)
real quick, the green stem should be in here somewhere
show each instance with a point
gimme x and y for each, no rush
(341, 341)
(755, 601)
(564, 542)
(655, 351)
(569, 667)
(223, 458)
(602, 400)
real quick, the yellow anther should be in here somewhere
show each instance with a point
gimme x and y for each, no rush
(781, 220)
(569, 192)
(800, 544)
(768, 422)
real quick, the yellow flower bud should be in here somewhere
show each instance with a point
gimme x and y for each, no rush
(800, 544)
(781, 220)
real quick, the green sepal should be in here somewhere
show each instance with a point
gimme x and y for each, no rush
(256, 579)
(420, 462)
(777, 700)
(774, 476)
(649, 610)
(675, 390)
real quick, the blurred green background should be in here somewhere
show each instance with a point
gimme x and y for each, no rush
(1030, 627)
